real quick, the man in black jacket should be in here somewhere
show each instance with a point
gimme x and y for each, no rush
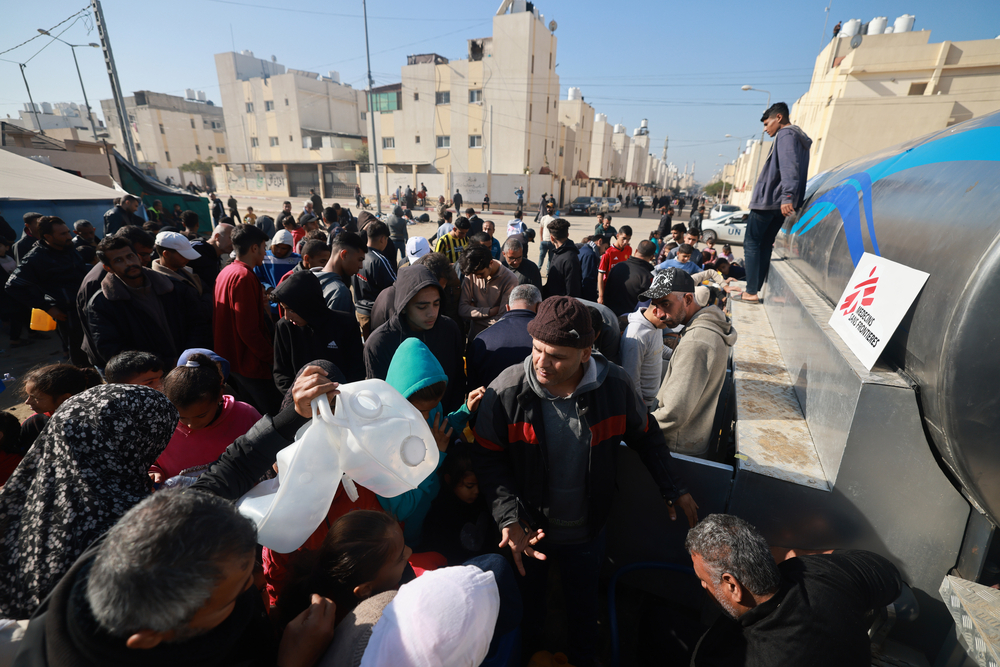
(137, 309)
(48, 278)
(376, 274)
(565, 276)
(218, 211)
(29, 238)
(809, 608)
(527, 272)
(122, 214)
(628, 279)
(548, 432)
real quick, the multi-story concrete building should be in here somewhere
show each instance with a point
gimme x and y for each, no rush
(281, 117)
(170, 131)
(62, 120)
(604, 160)
(577, 117)
(638, 154)
(495, 111)
(872, 91)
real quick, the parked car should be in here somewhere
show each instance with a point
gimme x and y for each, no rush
(730, 228)
(720, 210)
(584, 206)
(613, 204)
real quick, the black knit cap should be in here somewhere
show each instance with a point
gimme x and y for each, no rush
(564, 322)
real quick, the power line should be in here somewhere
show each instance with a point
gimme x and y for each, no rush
(82, 11)
(321, 13)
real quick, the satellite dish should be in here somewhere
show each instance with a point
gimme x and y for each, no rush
(552, 26)
(855, 41)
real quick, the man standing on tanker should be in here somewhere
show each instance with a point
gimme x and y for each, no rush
(780, 189)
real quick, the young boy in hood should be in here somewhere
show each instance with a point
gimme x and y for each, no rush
(309, 330)
(416, 374)
(416, 313)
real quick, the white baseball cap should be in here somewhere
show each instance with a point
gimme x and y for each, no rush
(417, 247)
(284, 237)
(178, 242)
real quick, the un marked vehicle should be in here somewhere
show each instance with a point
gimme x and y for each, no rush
(585, 205)
(720, 210)
(731, 228)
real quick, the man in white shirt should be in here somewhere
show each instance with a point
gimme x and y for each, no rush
(545, 242)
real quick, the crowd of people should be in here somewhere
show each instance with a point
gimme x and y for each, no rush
(194, 359)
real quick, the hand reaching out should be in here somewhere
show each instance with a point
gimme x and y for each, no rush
(311, 383)
(688, 506)
(522, 542)
(442, 435)
(308, 635)
(475, 397)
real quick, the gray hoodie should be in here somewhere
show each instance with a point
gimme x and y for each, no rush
(643, 353)
(783, 178)
(397, 227)
(690, 390)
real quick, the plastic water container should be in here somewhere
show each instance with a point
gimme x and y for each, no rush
(42, 321)
(376, 437)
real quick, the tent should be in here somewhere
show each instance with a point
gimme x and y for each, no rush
(149, 189)
(27, 185)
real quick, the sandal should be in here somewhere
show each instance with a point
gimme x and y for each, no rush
(739, 297)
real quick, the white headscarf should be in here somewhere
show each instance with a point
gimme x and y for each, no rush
(444, 618)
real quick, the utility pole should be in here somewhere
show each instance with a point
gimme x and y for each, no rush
(116, 89)
(491, 138)
(34, 109)
(373, 151)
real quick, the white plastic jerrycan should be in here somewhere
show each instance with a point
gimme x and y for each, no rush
(376, 437)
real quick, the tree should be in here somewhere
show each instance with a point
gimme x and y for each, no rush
(714, 189)
(201, 167)
(361, 155)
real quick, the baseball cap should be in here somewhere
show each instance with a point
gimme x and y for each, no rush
(178, 242)
(665, 282)
(417, 247)
(283, 237)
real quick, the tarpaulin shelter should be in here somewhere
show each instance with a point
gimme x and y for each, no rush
(149, 189)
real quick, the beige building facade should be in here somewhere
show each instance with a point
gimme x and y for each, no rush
(170, 131)
(885, 89)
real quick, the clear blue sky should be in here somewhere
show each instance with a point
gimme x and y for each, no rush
(678, 65)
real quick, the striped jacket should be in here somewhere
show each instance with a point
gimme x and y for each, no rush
(451, 246)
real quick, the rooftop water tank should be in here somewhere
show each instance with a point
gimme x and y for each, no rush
(334, 76)
(189, 93)
(574, 94)
(600, 118)
(887, 31)
(202, 96)
(877, 25)
(904, 23)
(619, 128)
(247, 52)
(46, 107)
(852, 28)
(644, 124)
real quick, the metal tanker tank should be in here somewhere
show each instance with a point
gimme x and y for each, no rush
(932, 204)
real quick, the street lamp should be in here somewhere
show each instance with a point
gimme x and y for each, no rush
(761, 149)
(73, 48)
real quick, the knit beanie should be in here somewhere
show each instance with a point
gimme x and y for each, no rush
(564, 322)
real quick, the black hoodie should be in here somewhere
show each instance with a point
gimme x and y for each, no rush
(329, 334)
(444, 339)
(565, 278)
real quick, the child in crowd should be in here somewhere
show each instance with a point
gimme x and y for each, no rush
(682, 260)
(46, 388)
(459, 525)
(417, 374)
(11, 452)
(250, 218)
(278, 261)
(727, 252)
(209, 419)
(134, 367)
(709, 253)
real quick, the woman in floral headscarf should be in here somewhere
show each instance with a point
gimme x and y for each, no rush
(86, 469)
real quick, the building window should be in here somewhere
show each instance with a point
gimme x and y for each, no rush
(386, 102)
(475, 141)
(197, 149)
(550, 60)
(364, 116)
(529, 156)
(192, 124)
(138, 148)
(532, 64)
(388, 142)
(444, 141)
(917, 88)
(161, 129)
(475, 96)
(249, 107)
(286, 101)
(220, 151)
(167, 155)
(530, 110)
(561, 151)
(268, 105)
(273, 140)
(416, 97)
(253, 142)
(443, 97)
(290, 139)
(418, 139)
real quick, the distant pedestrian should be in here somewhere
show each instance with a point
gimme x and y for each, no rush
(457, 201)
(640, 203)
(316, 200)
(836, 30)
(486, 201)
(519, 193)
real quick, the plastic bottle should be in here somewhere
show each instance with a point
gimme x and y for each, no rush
(42, 321)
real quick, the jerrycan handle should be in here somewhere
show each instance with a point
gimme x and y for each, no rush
(321, 409)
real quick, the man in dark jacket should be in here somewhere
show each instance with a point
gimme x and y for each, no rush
(309, 330)
(417, 313)
(397, 234)
(628, 279)
(590, 256)
(457, 201)
(666, 222)
(29, 238)
(218, 210)
(122, 215)
(48, 278)
(527, 272)
(376, 274)
(138, 309)
(548, 432)
(316, 200)
(565, 277)
(786, 606)
(780, 190)
(507, 342)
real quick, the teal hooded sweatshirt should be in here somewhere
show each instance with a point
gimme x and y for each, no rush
(413, 368)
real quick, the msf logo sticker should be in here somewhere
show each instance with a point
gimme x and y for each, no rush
(861, 294)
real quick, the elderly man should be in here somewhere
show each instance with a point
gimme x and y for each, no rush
(556, 498)
(807, 609)
(507, 342)
(173, 577)
(690, 389)
(526, 271)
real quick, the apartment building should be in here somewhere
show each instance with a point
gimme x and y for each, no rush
(170, 131)
(62, 120)
(871, 89)
(577, 138)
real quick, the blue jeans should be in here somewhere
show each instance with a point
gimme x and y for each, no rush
(579, 570)
(546, 248)
(762, 229)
